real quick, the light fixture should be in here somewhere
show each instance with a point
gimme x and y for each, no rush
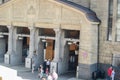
(69, 43)
(43, 40)
(1, 36)
(20, 38)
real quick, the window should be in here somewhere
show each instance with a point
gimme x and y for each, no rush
(110, 19)
(118, 21)
(118, 9)
(116, 60)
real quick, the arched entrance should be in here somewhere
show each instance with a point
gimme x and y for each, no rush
(22, 42)
(72, 50)
(45, 45)
(3, 42)
(73, 56)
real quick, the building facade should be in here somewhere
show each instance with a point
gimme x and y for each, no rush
(76, 35)
(108, 12)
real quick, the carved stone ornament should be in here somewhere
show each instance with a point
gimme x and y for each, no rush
(31, 12)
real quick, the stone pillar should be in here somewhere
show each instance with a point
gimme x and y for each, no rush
(57, 44)
(63, 60)
(28, 60)
(54, 63)
(10, 57)
(88, 51)
(10, 45)
(39, 47)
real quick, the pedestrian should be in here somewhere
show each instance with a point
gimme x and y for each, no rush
(40, 74)
(44, 66)
(49, 77)
(109, 71)
(113, 74)
(39, 68)
(54, 75)
(33, 66)
(48, 64)
(43, 78)
(47, 72)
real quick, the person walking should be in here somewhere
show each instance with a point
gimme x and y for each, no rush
(109, 71)
(44, 65)
(54, 75)
(40, 74)
(33, 66)
(49, 77)
(48, 64)
(113, 74)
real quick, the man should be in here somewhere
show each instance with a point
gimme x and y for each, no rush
(109, 71)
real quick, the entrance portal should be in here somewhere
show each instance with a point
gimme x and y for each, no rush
(49, 49)
(73, 57)
(23, 43)
(25, 48)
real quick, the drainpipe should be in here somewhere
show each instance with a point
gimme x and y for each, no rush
(98, 48)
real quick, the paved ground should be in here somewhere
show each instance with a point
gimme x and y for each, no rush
(26, 73)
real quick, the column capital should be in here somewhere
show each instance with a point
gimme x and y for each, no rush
(30, 28)
(10, 27)
(57, 30)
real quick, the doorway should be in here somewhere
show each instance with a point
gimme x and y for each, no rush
(49, 55)
(73, 57)
(25, 48)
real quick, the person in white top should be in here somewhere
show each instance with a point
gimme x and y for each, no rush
(113, 74)
(54, 75)
(40, 74)
(48, 65)
(33, 66)
(49, 77)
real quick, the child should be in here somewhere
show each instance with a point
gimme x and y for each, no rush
(40, 74)
(49, 77)
(33, 66)
(54, 75)
(47, 71)
(113, 74)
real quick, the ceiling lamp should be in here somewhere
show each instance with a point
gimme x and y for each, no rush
(69, 43)
(20, 38)
(43, 40)
(1, 36)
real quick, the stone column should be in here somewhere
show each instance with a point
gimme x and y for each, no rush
(11, 57)
(10, 39)
(28, 60)
(63, 56)
(57, 44)
(10, 45)
(54, 63)
(88, 51)
(39, 47)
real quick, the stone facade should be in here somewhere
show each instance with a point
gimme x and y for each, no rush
(93, 46)
(107, 49)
